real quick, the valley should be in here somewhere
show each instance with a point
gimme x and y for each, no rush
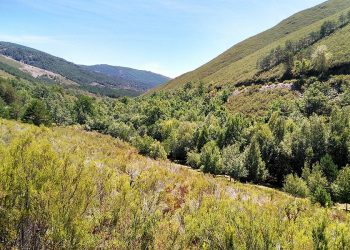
(249, 151)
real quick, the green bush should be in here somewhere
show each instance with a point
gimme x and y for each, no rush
(296, 186)
(210, 158)
(37, 114)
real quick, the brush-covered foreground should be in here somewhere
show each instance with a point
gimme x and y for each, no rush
(64, 188)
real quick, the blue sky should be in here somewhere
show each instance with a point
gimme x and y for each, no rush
(165, 36)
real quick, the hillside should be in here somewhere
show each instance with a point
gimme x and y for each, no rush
(84, 190)
(140, 78)
(239, 63)
(62, 71)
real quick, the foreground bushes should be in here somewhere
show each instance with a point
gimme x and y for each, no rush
(63, 188)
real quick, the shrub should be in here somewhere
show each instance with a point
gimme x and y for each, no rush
(296, 186)
(120, 130)
(322, 196)
(210, 158)
(193, 159)
(233, 162)
(157, 151)
(37, 114)
(341, 186)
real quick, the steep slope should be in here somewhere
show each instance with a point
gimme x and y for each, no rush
(140, 78)
(126, 79)
(238, 64)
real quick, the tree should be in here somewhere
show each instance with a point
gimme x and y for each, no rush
(120, 130)
(342, 21)
(8, 93)
(318, 184)
(233, 130)
(84, 109)
(233, 162)
(315, 100)
(341, 186)
(201, 137)
(318, 137)
(322, 196)
(301, 68)
(37, 114)
(327, 28)
(193, 159)
(339, 136)
(321, 59)
(210, 158)
(180, 141)
(157, 151)
(296, 186)
(288, 55)
(255, 165)
(329, 168)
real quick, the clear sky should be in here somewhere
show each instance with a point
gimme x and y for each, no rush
(165, 36)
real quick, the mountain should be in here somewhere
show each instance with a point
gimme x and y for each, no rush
(39, 64)
(142, 79)
(239, 63)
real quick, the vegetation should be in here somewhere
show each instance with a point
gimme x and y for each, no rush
(63, 188)
(64, 185)
(192, 125)
(239, 63)
(320, 58)
(97, 79)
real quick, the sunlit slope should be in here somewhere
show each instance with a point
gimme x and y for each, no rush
(238, 64)
(85, 190)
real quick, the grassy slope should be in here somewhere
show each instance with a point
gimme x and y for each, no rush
(239, 62)
(190, 209)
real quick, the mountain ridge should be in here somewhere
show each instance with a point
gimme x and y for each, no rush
(80, 74)
(238, 63)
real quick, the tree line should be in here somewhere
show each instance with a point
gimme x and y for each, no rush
(192, 126)
(285, 55)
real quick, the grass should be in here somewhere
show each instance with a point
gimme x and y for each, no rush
(239, 63)
(256, 101)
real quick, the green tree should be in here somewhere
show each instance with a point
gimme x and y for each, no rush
(211, 161)
(316, 101)
(301, 68)
(84, 109)
(318, 185)
(233, 162)
(296, 186)
(322, 196)
(233, 130)
(120, 130)
(201, 137)
(329, 168)
(157, 151)
(341, 186)
(37, 114)
(321, 59)
(255, 165)
(193, 159)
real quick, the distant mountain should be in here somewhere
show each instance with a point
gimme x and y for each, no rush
(142, 79)
(102, 77)
(239, 64)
